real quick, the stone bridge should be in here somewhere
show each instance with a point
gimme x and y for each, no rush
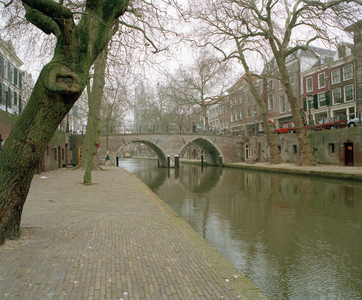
(171, 145)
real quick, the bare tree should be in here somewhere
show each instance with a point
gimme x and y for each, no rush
(61, 82)
(249, 24)
(115, 107)
(201, 84)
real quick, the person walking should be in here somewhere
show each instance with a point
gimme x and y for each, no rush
(108, 163)
(193, 127)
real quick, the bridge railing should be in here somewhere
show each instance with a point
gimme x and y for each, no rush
(170, 128)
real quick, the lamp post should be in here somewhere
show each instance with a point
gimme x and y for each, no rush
(67, 129)
(310, 99)
(6, 100)
(255, 120)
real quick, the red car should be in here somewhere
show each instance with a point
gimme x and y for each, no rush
(286, 128)
(330, 123)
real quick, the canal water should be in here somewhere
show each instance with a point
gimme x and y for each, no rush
(294, 237)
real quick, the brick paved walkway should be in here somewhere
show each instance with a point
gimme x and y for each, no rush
(112, 240)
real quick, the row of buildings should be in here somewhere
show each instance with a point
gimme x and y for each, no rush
(325, 83)
(15, 85)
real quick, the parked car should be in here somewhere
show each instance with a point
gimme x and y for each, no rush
(330, 123)
(286, 128)
(355, 122)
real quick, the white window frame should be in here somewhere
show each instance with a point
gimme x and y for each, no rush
(5, 70)
(319, 101)
(270, 84)
(344, 73)
(340, 96)
(344, 93)
(306, 84)
(339, 76)
(319, 80)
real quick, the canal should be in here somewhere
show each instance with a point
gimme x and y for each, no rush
(294, 237)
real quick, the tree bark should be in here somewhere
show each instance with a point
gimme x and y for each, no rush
(275, 157)
(306, 157)
(59, 85)
(89, 159)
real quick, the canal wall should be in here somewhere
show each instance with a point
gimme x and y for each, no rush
(329, 147)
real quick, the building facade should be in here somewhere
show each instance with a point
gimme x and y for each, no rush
(10, 79)
(329, 89)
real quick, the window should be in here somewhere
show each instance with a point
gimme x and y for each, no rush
(232, 118)
(11, 73)
(16, 77)
(292, 76)
(351, 113)
(15, 98)
(295, 149)
(347, 72)
(242, 115)
(322, 99)
(248, 152)
(331, 148)
(270, 84)
(336, 96)
(249, 113)
(336, 77)
(348, 93)
(282, 103)
(321, 80)
(271, 102)
(309, 84)
(5, 69)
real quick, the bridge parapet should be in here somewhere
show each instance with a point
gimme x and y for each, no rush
(166, 144)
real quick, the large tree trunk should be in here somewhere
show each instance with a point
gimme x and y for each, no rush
(306, 157)
(204, 114)
(26, 143)
(275, 157)
(89, 160)
(59, 85)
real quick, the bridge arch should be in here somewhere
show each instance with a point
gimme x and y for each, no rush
(159, 152)
(212, 152)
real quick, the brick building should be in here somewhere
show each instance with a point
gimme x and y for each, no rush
(329, 88)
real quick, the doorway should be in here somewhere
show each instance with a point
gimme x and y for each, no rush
(348, 154)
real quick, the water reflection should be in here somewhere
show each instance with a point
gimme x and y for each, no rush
(295, 237)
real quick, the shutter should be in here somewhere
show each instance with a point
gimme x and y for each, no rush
(15, 76)
(315, 101)
(9, 71)
(10, 93)
(15, 98)
(20, 104)
(20, 77)
(1, 66)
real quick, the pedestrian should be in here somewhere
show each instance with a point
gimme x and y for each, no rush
(108, 163)
(193, 127)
